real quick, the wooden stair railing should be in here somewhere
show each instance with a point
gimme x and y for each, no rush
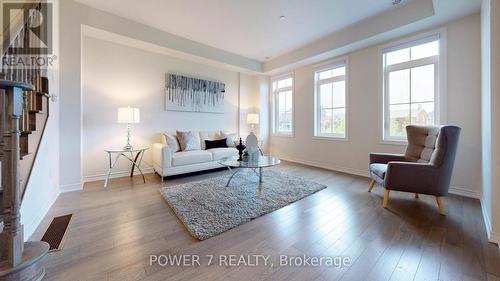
(18, 260)
(24, 111)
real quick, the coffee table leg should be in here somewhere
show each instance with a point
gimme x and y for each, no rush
(260, 175)
(230, 178)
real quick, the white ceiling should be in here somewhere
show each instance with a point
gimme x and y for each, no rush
(252, 28)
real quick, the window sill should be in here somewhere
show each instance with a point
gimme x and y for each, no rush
(330, 138)
(394, 142)
(283, 135)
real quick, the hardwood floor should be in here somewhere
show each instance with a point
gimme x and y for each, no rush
(115, 231)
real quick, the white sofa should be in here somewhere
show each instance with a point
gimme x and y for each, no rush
(166, 162)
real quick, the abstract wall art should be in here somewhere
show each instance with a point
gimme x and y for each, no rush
(194, 95)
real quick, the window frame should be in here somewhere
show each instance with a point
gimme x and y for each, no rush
(332, 64)
(275, 104)
(439, 62)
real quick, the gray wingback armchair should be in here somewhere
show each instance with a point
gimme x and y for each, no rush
(425, 168)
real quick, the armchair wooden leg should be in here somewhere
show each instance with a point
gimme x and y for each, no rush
(386, 198)
(440, 202)
(372, 184)
(416, 195)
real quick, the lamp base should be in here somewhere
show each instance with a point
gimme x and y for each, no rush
(128, 147)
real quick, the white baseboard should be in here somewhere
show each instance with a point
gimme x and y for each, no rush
(117, 174)
(30, 227)
(492, 236)
(362, 173)
(465, 192)
(71, 187)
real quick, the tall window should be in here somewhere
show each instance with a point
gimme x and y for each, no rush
(330, 97)
(410, 86)
(283, 105)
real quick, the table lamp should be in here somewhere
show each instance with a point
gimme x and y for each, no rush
(128, 115)
(252, 120)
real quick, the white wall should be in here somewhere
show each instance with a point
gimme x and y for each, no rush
(70, 99)
(248, 103)
(495, 130)
(490, 103)
(486, 111)
(43, 186)
(264, 111)
(255, 99)
(463, 80)
(464, 99)
(116, 75)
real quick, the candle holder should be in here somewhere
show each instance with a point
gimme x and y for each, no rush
(240, 148)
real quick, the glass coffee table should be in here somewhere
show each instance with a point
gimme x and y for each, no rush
(263, 162)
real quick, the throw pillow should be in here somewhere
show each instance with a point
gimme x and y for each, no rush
(215, 143)
(189, 141)
(231, 139)
(172, 142)
(211, 135)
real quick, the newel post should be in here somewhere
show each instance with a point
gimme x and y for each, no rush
(12, 235)
(2, 125)
(3, 109)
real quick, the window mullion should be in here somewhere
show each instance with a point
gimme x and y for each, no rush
(332, 110)
(412, 63)
(285, 109)
(409, 90)
(332, 95)
(277, 112)
(332, 79)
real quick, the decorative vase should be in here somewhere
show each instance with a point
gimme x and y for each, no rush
(254, 156)
(252, 144)
(240, 148)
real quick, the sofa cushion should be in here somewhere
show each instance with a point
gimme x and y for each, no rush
(378, 169)
(190, 157)
(189, 140)
(219, 153)
(421, 142)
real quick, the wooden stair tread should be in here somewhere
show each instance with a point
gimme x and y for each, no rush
(25, 155)
(42, 94)
(6, 84)
(1, 206)
(33, 252)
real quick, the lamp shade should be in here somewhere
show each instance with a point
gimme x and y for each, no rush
(128, 115)
(253, 118)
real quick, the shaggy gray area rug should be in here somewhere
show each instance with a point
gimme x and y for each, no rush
(208, 208)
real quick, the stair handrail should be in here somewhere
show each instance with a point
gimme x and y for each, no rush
(15, 26)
